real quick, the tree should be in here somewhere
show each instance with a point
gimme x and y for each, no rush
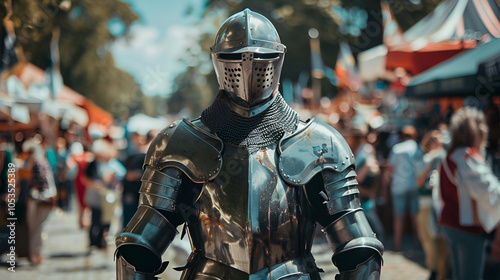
(86, 63)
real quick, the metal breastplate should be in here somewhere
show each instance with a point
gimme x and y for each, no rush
(248, 218)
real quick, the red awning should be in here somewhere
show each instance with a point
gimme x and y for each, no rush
(417, 61)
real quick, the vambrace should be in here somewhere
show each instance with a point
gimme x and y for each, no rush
(143, 241)
(357, 252)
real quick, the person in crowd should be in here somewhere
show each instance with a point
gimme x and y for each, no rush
(102, 179)
(61, 173)
(368, 170)
(403, 185)
(42, 197)
(132, 179)
(471, 195)
(81, 159)
(429, 234)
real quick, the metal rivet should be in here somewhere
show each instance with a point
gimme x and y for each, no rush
(295, 181)
(335, 167)
(343, 163)
(298, 181)
(255, 42)
(346, 157)
(172, 125)
(241, 43)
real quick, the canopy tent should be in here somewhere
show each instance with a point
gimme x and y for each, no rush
(29, 74)
(454, 26)
(458, 20)
(474, 72)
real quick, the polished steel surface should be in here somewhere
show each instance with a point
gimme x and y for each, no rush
(188, 148)
(341, 190)
(350, 226)
(249, 218)
(126, 271)
(295, 269)
(248, 79)
(148, 229)
(247, 31)
(247, 75)
(369, 270)
(160, 189)
(309, 151)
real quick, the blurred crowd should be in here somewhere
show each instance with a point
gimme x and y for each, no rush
(436, 182)
(73, 171)
(439, 182)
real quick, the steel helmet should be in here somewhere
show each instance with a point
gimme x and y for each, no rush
(248, 57)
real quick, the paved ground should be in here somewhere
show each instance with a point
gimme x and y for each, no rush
(67, 257)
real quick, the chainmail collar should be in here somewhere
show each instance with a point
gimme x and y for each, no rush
(251, 133)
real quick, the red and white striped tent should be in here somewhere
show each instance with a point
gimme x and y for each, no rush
(454, 26)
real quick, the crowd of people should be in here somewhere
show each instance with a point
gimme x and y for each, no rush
(441, 177)
(69, 173)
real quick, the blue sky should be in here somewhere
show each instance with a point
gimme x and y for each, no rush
(157, 42)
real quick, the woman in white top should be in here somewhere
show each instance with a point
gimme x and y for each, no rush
(471, 195)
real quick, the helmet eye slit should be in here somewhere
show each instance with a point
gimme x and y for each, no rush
(266, 55)
(230, 56)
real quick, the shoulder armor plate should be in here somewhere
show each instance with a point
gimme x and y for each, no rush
(187, 147)
(310, 150)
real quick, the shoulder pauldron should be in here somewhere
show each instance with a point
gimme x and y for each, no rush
(187, 147)
(312, 149)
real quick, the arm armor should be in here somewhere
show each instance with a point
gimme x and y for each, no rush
(357, 252)
(143, 241)
(181, 148)
(318, 157)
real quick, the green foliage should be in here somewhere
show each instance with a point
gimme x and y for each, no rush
(86, 63)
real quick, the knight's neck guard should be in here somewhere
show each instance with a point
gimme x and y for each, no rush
(252, 132)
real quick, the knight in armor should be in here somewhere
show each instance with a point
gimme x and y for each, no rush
(249, 180)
